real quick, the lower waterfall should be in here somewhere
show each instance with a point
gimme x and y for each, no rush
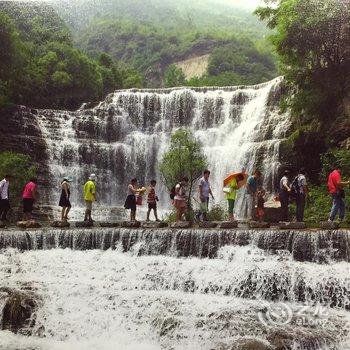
(106, 289)
(126, 135)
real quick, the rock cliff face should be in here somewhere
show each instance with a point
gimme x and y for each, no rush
(20, 132)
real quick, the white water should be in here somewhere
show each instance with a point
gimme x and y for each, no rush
(126, 135)
(109, 300)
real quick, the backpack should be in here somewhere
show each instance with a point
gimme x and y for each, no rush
(295, 186)
(172, 193)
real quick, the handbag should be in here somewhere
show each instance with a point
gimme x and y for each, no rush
(227, 189)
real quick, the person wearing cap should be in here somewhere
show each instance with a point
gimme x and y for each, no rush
(65, 199)
(4, 197)
(284, 193)
(89, 196)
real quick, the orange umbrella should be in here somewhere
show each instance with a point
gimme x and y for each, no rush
(232, 176)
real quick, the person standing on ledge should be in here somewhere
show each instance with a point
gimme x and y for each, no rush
(336, 190)
(152, 200)
(299, 189)
(231, 194)
(29, 196)
(65, 199)
(130, 202)
(204, 193)
(89, 196)
(284, 193)
(180, 199)
(4, 197)
(251, 194)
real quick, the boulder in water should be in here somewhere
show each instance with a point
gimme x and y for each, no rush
(329, 225)
(181, 224)
(228, 224)
(257, 224)
(208, 224)
(60, 224)
(2, 224)
(28, 224)
(292, 225)
(110, 224)
(246, 344)
(131, 224)
(18, 310)
(154, 224)
(84, 224)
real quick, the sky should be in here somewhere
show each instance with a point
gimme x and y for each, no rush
(244, 3)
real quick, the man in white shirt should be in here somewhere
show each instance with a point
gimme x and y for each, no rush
(204, 192)
(301, 194)
(284, 194)
(4, 197)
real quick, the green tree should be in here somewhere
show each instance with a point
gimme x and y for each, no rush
(11, 57)
(184, 158)
(174, 76)
(313, 42)
(20, 167)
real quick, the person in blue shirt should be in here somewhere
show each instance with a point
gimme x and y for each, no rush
(250, 194)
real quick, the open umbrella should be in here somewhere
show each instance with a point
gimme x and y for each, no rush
(232, 176)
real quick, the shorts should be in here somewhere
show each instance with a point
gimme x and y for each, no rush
(152, 206)
(231, 205)
(180, 204)
(28, 204)
(88, 205)
(260, 212)
(130, 202)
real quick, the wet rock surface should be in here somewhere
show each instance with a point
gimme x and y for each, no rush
(60, 224)
(292, 225)
(329, 225)
(154, 224)
(28, 224)
(181, 224)
(18, 311)
(208, 224)
(81, 224)
(257, 224)
(228, 224)
(131, 224)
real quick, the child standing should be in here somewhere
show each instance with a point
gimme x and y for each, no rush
(260, 213)
(152, 199)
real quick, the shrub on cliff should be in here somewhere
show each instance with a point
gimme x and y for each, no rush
(19, 166)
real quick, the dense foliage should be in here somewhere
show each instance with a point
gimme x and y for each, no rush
(152, 35)
(39, 66)
(174, 76)
(241, 62)
(183, 158)
(319, 201)
(312, 40)
(19, 166)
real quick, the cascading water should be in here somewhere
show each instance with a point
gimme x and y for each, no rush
(139, 289)
(165, 289)
(125, 136)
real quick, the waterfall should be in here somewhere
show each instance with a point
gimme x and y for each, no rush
(125, 136)
(177, 289)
